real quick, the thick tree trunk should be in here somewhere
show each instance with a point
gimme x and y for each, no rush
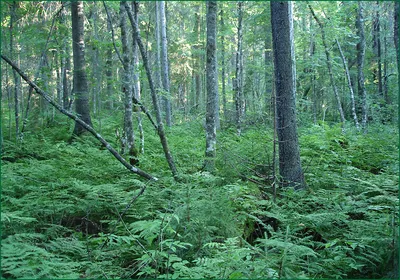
(128, 143)
(289, 154)
(238, 85)
(164, 64)
(160, 126)
(80, 77)
(329, 65)
(362, 93)
(212, 87)
(346, 69)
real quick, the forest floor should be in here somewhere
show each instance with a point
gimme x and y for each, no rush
(66, 209)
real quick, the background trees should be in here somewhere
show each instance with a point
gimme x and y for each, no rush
(97, 219)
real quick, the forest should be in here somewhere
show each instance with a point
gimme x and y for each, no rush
(199, 139)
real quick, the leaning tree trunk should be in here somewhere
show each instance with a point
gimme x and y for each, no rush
(239, 71)
(128, 143)
(81, 122)
(212, 87)
(80, 78)
(289, 153)
(160, 126)
(346, 69)
(329, 65)
(164, 64)
(360, 66)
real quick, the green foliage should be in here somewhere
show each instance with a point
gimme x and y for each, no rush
(62, 205)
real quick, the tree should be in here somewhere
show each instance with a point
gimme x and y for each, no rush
(396, 28)
(329, 65)
(80, 77)
(128, 138)
(164, 63)
(360, 65)
(238, 84)
(289, 152)
(212, 87)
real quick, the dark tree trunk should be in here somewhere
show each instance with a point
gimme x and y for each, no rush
(80, 77)
(212, 87)
(289, 153)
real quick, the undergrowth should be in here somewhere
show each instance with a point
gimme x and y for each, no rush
(62, 207)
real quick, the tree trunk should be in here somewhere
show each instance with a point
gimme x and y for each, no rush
(136, 81)
(238, 84)
(223, 64)
(96, 87)
(164, 64)
(16, 78)
(362, 93)
(81, 123)
(128, 143)
(329, 65)
(289, 154)
(377, 50)
(108, 72)
(396, 28)
(212, 87)
(80, 78)
(160, 126)
(346, 69)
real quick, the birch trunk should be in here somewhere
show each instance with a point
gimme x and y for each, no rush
(212, 87)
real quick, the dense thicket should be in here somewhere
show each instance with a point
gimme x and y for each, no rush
(71, 210)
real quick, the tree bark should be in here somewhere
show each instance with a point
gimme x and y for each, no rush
(396, 29)
(362, 93)
(346, 69)
(212, 87)
(164, 64)
(329, 65)
(15, 76)
(160, 126)
(377, 49)
(289, 152)
(128, 143)
(80, 77)
(238, 85)
(81, 122)
(136, 81)
(223, 64)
